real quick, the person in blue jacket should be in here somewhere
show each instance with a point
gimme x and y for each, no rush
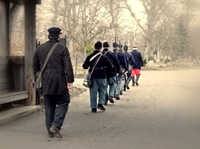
(111, 73)
(98, 76)
(124, 68)
(130, 63)
(137, 66)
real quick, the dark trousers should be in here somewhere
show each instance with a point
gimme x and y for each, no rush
(56, 106)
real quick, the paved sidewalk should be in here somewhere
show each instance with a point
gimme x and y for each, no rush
(162, 113)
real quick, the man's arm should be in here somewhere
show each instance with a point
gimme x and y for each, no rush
(125, 63)
(116, 63)
(68, 66)
(36, 63)
(86, 64)
(131, 59)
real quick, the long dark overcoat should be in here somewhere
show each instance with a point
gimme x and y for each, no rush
(58, 70)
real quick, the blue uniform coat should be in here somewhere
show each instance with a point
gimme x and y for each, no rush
(130, 59)
(138, 59)
(115, 61)
(99, 71)
(122, 60)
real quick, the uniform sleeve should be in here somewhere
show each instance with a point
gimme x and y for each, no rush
(131, 59)
(36, 63)
(86, 63)
(68, 66)
(116, 63)
(125, 63)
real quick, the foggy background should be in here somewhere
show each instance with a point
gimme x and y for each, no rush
(166, 32)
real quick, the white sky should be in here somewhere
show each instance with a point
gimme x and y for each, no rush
(138, 9)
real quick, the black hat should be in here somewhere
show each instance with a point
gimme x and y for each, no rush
(105, 44)
(120, 46)
(125, 47)
(115, 45)
(98, 45)
(54, 31)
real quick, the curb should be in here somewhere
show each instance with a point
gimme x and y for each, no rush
(17, 113)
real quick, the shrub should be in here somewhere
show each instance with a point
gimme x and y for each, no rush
(145, 61)
(150, 58)
(167, 60)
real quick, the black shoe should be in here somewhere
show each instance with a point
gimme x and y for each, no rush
(117, 97)
(137, 84)
(55, 131)
(127, 87)
(120, 93)
(124, 87)
(94, 110)
(105, 103)
(111, 99)
(50, 134)
(100, 106)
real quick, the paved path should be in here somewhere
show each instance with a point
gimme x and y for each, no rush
(162, 113)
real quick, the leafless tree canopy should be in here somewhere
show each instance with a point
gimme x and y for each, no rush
(167, 27)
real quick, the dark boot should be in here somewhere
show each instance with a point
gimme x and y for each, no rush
(100, 106)
(133, 81)
(125, 87)
(111, 99)
(94, 110)
(55, 131)
(120, 93)
(50, 134)
(117, 97)
(127, 84)
(137, 78)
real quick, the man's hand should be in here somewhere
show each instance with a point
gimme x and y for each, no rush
(69, 85)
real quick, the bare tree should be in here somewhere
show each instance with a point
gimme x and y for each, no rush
(155, 11)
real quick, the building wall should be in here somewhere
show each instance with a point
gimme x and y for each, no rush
(4, 26)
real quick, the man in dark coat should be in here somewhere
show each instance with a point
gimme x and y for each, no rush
(124, 68)
(130, 63)
(57, 79)
(98, 76)
(111, 73)
(137, 66)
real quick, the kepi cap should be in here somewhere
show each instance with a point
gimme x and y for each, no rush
(125, 47)
(98, 45)
(105, 44)
(120, 46)
(115, 45)
(54, 31)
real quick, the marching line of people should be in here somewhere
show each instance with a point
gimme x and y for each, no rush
(112, 72)
(54, 76)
